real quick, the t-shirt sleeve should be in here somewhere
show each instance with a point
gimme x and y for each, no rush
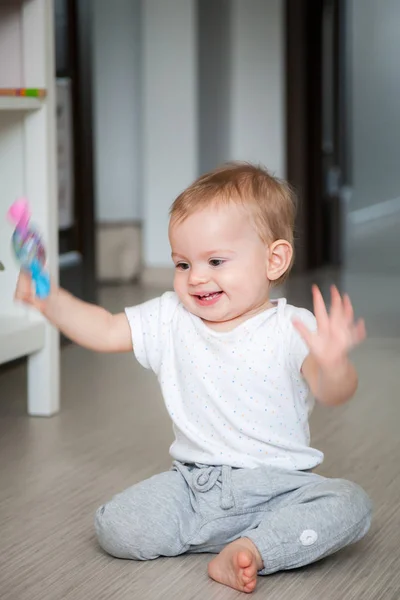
(150, 325)
(298, 347)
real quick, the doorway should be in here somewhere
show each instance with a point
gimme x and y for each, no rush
(73, 27)
(317, 150)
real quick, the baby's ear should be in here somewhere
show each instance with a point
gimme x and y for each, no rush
(279, 257)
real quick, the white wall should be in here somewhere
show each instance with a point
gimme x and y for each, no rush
(375, 90)
(117, 95)
(257, 115)
(206, 77)
(242, 83)
(170, 135)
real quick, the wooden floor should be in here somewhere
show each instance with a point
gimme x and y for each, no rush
(113, 431)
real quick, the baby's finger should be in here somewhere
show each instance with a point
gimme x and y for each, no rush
(360, 332)
(24, 283)
(336, 303)
(24, 297)
(348, 308)
(320, 309)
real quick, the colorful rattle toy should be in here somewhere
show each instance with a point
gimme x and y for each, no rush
(28, 247)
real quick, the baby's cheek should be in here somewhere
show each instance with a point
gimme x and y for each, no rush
(229, 274)
(179, 286)
(233, 279)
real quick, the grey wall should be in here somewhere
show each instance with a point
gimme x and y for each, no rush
(257, 93)
(117, 98)
(241, 82)
(214, 49)
(375, 105)
(170, 148)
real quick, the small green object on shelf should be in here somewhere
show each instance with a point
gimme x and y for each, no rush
(2, 267)
(32, 93)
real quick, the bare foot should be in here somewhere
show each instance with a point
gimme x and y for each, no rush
(237, 566)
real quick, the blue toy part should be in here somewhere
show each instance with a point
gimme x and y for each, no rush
(41, 279)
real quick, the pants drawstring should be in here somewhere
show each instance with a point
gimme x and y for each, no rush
(203, 478)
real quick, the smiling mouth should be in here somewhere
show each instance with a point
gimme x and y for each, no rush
(208, 297)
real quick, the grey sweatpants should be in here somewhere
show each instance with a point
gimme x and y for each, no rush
(294, 518)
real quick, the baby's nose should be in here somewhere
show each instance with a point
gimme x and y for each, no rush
(197, 275)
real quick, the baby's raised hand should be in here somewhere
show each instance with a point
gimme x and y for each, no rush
(337, 332)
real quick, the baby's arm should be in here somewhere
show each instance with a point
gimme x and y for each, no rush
(88, 325)
(331, 385)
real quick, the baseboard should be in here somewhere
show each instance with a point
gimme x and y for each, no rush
(119, 252)
(120, 259)
(375, 211)
(158, 277)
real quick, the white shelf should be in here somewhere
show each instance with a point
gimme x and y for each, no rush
(20, 336)
(28, 168)
(22, 103)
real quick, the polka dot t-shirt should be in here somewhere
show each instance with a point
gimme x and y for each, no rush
(235, 398)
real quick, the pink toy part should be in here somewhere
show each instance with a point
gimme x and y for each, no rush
(19, 213)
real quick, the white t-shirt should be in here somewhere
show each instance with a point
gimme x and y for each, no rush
(235, 398)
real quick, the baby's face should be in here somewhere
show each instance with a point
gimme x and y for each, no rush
(220, 264)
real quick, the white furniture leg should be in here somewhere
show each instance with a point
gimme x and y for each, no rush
(44, 377)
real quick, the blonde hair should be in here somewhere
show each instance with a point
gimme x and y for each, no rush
(270, 200)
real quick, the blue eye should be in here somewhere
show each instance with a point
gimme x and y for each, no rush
(216, 262)
(182, 266)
